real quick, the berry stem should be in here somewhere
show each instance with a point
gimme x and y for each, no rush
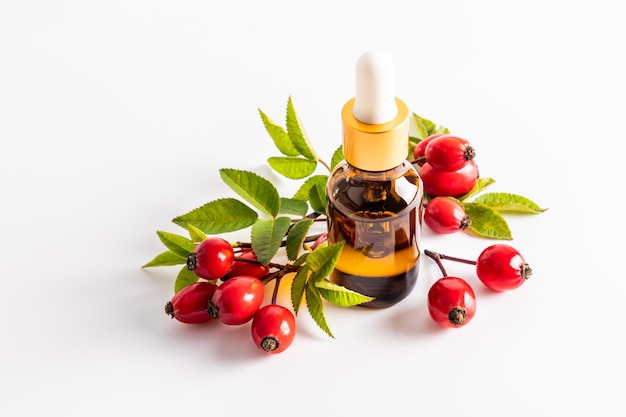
(311, 238)
(437, 258)
(321, 161)
(279, 276)
(419, 161)
(450, 258)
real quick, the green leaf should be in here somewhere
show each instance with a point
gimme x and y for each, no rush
(316, 308)
(305, 188)
(295, 238)
(297, 134)
(178, 244)
(487, 222)
(267, 236)
(323, 259)
(279, 135)
(337, 157)
(339, 295)
(297, 288)
(167, 258)
(317, 198)
(184, 278)
(425, 127)
(481, 184)
(253, 188)
(292, 167)
(292, 206)
(507, 202)
(196, 234)
(219, 216)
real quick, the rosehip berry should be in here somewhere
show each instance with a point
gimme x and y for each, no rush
(451, 302)
(236, 300)
(449, 183)
(446, 215)
(189, 304)
(211, 258)
(449, 153)
(243, 267)
(420, 148)
(501, 267)
(273, 328)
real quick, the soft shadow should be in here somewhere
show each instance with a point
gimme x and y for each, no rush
(414, 321)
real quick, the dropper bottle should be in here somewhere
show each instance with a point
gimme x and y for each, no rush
(374, 196)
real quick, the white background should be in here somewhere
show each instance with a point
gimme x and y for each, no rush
(116, 116)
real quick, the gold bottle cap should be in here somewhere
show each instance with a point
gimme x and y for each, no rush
(375, 147)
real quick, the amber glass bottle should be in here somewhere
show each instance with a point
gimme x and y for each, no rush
(374, 205)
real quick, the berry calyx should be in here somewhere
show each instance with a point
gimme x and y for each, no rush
(501, 267)
(273, 328)
(446, 215)
(449, 153)
(236, 300)
(211, 259)
(189, 304)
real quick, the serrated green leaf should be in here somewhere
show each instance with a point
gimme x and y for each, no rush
(292, 206)
(507, 202)
(316, 307)
(487, 222)
(297, 288)
(180, 245)
(196, 234)
(305, 188)
(219, 216)
(167, 258)
(301, 260)
(317, 198)
(295, 238)
(481, 184)
(267, 236)
(425, 127)
(292, 167)
(323, 259)
(184, 278)
(253, 188)
(339, 295)
(279, 135)
(297, 133)
(337, 157)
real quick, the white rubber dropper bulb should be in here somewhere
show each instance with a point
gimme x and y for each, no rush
(375, 88)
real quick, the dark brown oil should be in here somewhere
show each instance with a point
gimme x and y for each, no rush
(378, 216)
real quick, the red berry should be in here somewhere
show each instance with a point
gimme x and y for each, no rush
(451, 302)
(420, 148)
(501, 267)
(243, 267)
(189, 304)
(446, 215)
(449, 153)
(211, 258)
(237, 300)
(273, 328)
(449, 183)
